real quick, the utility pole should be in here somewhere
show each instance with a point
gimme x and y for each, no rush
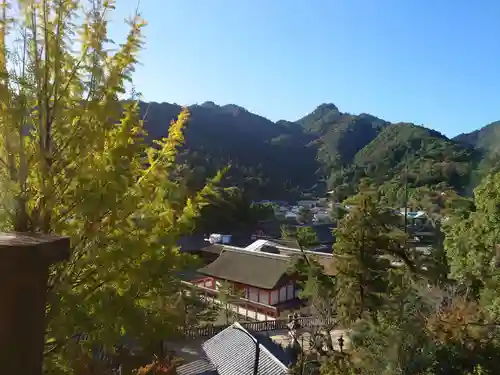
(302, 356)
(406, 193)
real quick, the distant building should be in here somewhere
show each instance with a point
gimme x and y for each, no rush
(414, 218)
(291, 215)
(220, 238)
(308, 203)
(321, 216)
(259, 274)
(413, 214)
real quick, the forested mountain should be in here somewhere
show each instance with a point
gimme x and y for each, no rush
(340, 136)
(269, 159)
(423, 156)
(323, 150)
(487, 140)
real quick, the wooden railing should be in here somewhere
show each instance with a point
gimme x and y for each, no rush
(235, 299)
(270, 325)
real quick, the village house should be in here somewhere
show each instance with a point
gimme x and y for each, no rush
(259, 276)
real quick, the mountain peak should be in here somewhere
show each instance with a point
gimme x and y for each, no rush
(326, 107)
(234, 107)
(209, 105)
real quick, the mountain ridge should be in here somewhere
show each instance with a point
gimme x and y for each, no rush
(326, 149)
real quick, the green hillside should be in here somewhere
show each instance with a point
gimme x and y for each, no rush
(270, 160)
(425, 156)
(487, 141)
(326, 149)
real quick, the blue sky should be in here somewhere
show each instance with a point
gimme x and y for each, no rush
(431, 62)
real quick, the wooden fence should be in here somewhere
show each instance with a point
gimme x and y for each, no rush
(269, 325)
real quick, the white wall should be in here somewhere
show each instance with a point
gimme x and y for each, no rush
(290, 291)
(283, 293)
(264, 296)
(253, 294)
(274, 297)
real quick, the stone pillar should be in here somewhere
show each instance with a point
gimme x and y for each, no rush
(24, 263)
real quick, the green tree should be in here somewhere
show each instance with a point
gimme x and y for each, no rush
(305, 215)
(472, 242)
(231, 211)
(338, 213)
(397, 342)
(195, 310)
(304, 236)
(367, 240)
(468, 322)
(73, 161)
(229, 297)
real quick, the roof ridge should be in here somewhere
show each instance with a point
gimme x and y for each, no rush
(261, 346)
(256, 253)
(272, 255)
(310, 252)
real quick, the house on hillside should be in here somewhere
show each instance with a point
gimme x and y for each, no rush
(308, 203)
(321, 216)
(415, 218)
(234, 351)
(259, 275)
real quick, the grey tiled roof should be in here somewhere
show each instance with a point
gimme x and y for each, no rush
(199, 367)
(232, 352)
(257, 269)
(280, 352)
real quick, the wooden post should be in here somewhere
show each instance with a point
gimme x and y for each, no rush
(24, 264)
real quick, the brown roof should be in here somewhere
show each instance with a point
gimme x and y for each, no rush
(328, 264)
(323, 258)
(213, 248)
(260, 270)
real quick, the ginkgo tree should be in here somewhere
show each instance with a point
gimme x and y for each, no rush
(74, 162)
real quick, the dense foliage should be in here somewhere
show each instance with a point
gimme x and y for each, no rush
(77, 159)
(340, 136)
(408, 312)
(74, 161)
(367, 241)
(486, 138)
(230, 211)
(327, 149)
(487, 141)
(405, 151)
(259, 151)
